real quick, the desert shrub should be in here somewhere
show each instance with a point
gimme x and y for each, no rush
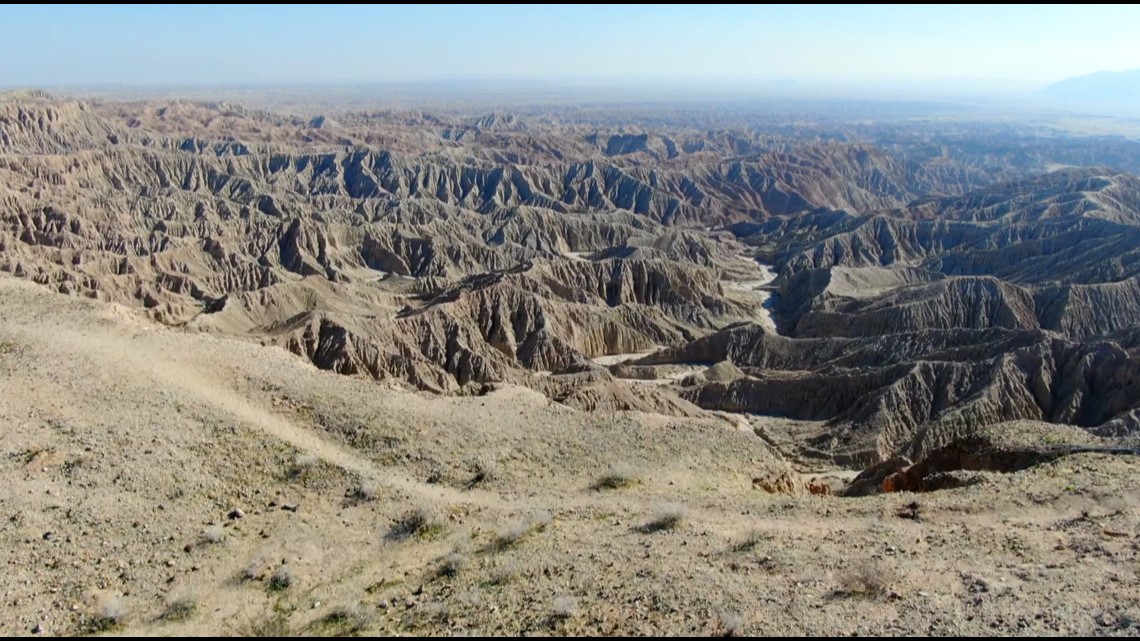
(213, 534)
(419, 523)
(254, 570)
(565, 607)
(483, 470)
(667, 516)
(345, 620)
(749, 541)
(110, 613)
(451, 564)
(363, 492)
(518, 531)
(437, 472)
(616, 478)
(274, 624)
(730, 624)
(179, 607)
(281, 579)
(303, 465)
(869, 579)
(503, 573)
(438, 611)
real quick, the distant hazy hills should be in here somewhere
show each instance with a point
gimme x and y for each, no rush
(1103, 86)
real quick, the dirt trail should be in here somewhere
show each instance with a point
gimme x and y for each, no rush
(147, 362)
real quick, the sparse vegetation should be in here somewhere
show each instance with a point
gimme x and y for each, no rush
(438, 611)
(730, 624)
(512, 535)
(274, 624)
(344, 621)
(110, 613)
(363, 492)
(254, 570)
(418, 523)
(179, 607)
(437, 473)
(667, 516)
(750, 541)
(868, 579)
(451, 564)
(482, 469)
(565, 607)
(311, 300)
(303, 465)
(515, 533)
(616, 478)
(282, 579)
(504, 573)
(213, 534)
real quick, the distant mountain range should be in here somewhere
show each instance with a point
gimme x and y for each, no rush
(1103, 86)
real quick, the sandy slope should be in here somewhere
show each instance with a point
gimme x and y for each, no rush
(125, 445)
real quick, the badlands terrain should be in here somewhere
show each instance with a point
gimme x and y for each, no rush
(612, 370)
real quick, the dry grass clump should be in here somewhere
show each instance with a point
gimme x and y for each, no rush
(730, 624)
(254, 570)
(517, 532)
(419, 523)
(451, 564)
(303, 465)
(179, 607)
(565, 607)
(750, 541)
(483, 470)
(281, 580)
(867, 579)
(346, 620)
(504, 573)
(437, 611)
(110, 613)
(363, 492)
(666, 516)
(616, 478)
(213, 534)
(274, 624)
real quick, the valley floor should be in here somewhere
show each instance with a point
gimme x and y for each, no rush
(166, 482)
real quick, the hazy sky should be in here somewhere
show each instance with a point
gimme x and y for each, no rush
(46, 46)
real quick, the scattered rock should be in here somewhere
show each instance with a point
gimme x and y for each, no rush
(782, 483)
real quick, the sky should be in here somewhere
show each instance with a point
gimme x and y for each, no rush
(997, 46)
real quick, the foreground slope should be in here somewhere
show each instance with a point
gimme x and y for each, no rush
(127, 444)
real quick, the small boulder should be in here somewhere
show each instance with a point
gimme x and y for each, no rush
(870, 480)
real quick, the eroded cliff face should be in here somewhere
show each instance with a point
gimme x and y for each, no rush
(938, 319)
(916, 298)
